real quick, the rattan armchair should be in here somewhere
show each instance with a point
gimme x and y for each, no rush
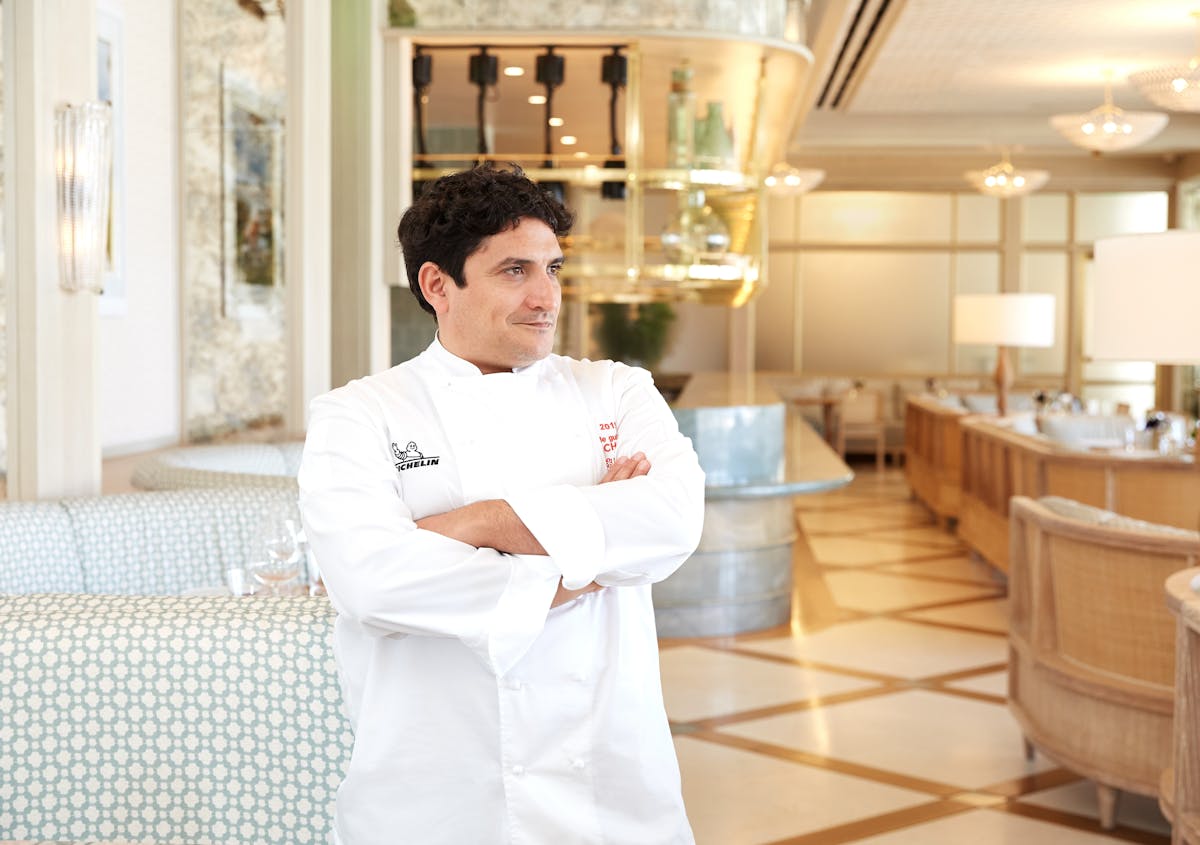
(1091, 642)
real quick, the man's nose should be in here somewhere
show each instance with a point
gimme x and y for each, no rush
(545, 293)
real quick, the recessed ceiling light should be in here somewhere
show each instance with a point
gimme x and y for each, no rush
(582, 154)
(537, 100)
(568, 140)
(555, 121)
(513, 70)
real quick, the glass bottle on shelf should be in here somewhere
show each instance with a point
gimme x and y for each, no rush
(681, 119)
(714, 141)
(696, 234)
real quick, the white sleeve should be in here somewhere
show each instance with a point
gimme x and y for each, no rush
(629, 532)
(384, 572)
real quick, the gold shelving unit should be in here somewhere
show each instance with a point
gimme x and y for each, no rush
(758, 81)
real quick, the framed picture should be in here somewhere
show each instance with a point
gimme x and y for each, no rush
(252, 198)
(110, 88)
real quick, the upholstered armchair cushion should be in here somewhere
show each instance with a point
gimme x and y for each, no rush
(225, 465)
(1098, 516)
(167, 719)
(38, 552)
(165, 542)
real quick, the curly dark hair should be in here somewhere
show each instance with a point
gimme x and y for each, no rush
(454, 214)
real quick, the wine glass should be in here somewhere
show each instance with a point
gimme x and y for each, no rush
(280, 535)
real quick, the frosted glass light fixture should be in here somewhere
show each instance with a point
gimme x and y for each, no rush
(1173, 87)
(785, 180)
(1004, 180)
(83, 165)
(1004, 320)
(1107, 128)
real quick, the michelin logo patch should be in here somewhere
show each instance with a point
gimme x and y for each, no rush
(410, 458)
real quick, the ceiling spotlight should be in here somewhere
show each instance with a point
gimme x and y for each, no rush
(568, 140)
(555, 121)
(514, 70)
(537, 99)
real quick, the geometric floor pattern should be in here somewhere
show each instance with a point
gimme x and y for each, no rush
(877, 716)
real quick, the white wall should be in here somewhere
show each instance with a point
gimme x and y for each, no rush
(139, 338)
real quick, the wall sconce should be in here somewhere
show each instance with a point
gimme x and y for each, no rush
(83, 152)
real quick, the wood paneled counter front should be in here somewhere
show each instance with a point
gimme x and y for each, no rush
(999, 462)
(755, 457)
(933, 454)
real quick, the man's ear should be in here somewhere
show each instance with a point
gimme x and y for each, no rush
(433, 282)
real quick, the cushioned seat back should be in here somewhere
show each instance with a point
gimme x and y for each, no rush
(168, 541)
(38, 553)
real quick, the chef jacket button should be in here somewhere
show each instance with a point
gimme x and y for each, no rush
(515, 685)
(518, 770)
(578, 763)
(579, 677)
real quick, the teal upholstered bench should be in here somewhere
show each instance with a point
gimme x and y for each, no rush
(208, 721)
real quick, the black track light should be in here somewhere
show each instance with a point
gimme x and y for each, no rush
(614, 72)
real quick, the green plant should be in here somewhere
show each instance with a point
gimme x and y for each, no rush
(636, 334)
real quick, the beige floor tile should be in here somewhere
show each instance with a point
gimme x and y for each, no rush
(960, 566)
(929, 535)
(700, 683)
(990, 614)
(874, 592)
(880, 516)
(1079, 798)
(890, 647)
(864, 550)
(944, 738)
(993, 683)
(736, 797)
(987, 827)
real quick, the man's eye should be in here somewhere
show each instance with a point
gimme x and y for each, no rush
(553, 269)
(516, 270)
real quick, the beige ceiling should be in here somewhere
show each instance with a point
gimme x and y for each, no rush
(986, 74)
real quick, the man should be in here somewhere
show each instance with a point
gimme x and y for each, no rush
(495, 634)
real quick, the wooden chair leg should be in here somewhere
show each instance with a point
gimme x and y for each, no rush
(1106, 799)
(1030, 751)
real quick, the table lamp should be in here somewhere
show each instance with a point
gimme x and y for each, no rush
(1004, 320)
(1145, 299)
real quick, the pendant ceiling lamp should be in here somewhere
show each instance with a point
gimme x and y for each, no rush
(1173, 87)
(785, 180)
(1003, 180)
(1107, 128)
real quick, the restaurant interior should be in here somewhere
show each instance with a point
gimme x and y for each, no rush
(919, 278)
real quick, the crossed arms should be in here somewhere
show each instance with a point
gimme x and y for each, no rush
(493, 524)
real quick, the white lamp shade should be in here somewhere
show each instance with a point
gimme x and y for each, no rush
(1004, 319)
(1145, 298)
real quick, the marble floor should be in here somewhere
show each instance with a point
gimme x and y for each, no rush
(878, 715)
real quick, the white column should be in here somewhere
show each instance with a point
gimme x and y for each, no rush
(307, 210)
(363, 234)
(53, 429)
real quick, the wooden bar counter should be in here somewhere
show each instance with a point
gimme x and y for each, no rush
(999, 462)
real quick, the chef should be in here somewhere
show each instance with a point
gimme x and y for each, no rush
(489, 518)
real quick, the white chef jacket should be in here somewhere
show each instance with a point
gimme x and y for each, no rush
(479, 717)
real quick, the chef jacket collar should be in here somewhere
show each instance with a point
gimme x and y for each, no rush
(459, 368)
